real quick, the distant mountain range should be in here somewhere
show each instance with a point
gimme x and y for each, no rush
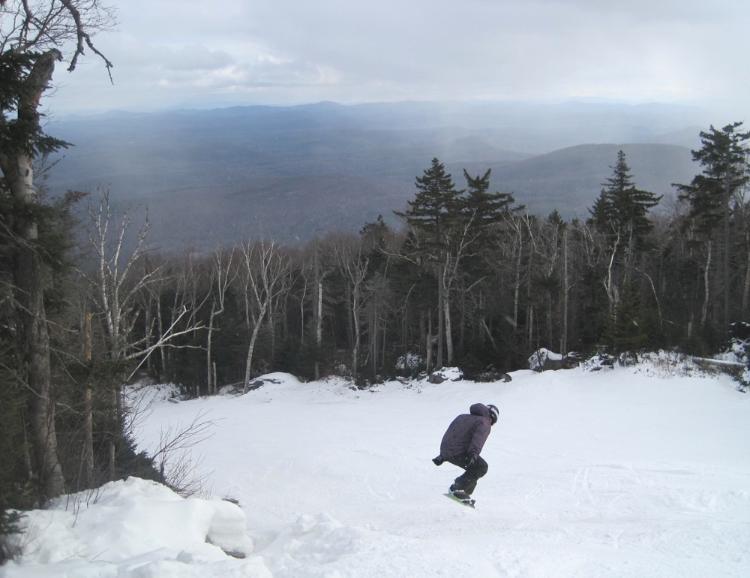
(216, 176)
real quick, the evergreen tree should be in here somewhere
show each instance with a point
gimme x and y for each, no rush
(620, 214)
(435, 208)
(485, 211)
(622, 209)
(441, 237)
(712, 197)
(30, 47)
(486, 208)
(724, 158)
(627, 329)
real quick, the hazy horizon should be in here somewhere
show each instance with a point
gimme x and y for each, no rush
(185, 54)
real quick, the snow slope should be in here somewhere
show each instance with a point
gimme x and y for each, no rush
(609, 473)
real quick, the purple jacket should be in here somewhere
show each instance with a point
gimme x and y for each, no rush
(467, 433)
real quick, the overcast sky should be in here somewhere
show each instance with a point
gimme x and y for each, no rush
(191, 53)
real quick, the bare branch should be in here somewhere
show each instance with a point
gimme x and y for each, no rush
(83, 39)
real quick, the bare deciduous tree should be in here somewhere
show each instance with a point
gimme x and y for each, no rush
(353, 265)
(115, 285)
(265, 270)
(223, 274)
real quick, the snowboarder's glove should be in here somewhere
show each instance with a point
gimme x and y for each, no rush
(470, 460)
(438, 460)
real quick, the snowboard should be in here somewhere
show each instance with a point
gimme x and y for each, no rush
(470, 502)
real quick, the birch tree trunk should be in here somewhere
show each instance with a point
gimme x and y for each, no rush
(565, 295)
(251, 346)
(319, 276)
(530, 336)
(517, 280)
(116, 288)
(706, 284)
(302, 310)
(725, 260)
(357, 333)
(353, 265)
(746, 283)
(222, 277)
(428, 342)
(448, 326)
(318, 324)
(441, 321)
(610, 283)
(210, 384)
(265, 270)
(88, 410)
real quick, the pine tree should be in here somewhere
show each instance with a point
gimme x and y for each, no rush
(712, 196)
(620, 214)
(434, 209)
(441, 237)
(30, 48)
(621, 209)
(723, 155)
(486, 208)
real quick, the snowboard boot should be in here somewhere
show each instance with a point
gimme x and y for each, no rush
(460, 494)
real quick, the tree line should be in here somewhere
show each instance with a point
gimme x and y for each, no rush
(469, 279)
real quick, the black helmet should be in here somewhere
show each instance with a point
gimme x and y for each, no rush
(494, 413)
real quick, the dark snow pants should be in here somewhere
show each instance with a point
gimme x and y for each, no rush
(468, 480)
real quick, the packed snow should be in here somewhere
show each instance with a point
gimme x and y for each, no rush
(619, 472)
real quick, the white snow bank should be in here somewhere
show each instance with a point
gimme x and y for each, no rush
(279, 378)
(133, 528)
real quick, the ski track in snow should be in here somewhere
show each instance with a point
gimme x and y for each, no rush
(590, 475)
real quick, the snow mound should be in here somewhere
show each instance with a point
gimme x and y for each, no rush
(264, 381)
(538, 360)
(279, 378)
(598, 362)
(446, 374)
(312, 541)
(134, 528)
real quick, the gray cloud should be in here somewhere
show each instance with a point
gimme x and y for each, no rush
(195, 58)
(279, 51)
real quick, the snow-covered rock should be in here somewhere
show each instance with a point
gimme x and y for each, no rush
(409, 363)
(598, 362)
(446, 374)
(544, 359)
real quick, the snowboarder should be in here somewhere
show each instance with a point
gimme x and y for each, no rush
(463, 442)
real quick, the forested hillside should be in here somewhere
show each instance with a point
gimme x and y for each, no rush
(221, 176)
(471, 277)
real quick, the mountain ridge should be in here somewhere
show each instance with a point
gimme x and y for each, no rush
(310, 169)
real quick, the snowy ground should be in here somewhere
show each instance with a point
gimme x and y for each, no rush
(610, 473)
